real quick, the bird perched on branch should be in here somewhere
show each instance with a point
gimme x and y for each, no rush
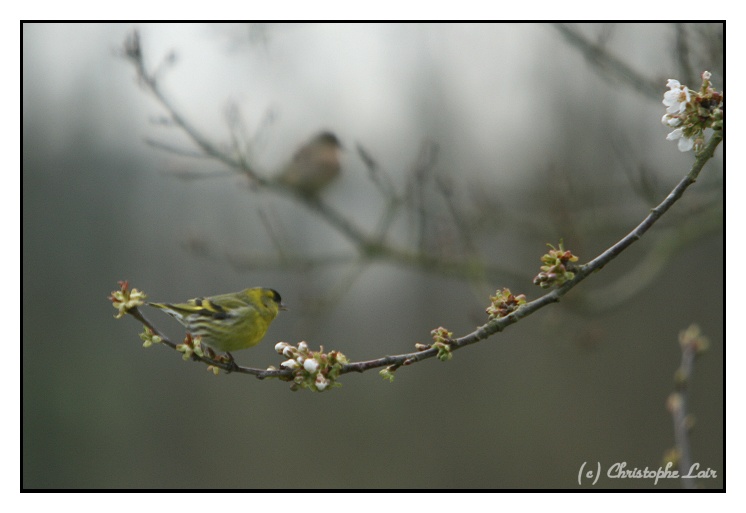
(314, 166)
(228, 322)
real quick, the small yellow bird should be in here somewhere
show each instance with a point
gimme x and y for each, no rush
(314, 165)
(228, 322)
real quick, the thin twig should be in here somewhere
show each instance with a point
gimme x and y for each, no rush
(609, 66)
(683, 53)
(133, 51)
(692, 343)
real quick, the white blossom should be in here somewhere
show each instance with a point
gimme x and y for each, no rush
(676, 98)
(670, 120)
(685, 143)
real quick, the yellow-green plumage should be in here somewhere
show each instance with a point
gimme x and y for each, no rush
(228, 322)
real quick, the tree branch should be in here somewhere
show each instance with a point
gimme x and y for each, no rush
(609, 66)
(581, 272)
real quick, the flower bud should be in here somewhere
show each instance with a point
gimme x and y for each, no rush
(290, 364)
(311, 365)
(321, 383)
(280, 347)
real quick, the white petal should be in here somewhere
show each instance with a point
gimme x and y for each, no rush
(686, 144)
(676, 134)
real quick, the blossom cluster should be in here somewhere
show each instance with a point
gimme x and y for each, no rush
(558, 267)
(314, 370)
(442, 342)
(504, 303)
(690, 112)
(125, 299)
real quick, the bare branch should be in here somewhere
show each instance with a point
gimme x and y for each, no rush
(692, 344)
(609, 66)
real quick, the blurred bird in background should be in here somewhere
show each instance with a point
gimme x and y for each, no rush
(314, 166)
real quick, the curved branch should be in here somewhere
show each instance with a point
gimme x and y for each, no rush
(582, 272)
(485, 331)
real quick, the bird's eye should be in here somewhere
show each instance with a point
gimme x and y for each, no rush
(275, 296)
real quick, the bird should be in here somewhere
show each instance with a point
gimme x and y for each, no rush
(314, 166)
(228, 322)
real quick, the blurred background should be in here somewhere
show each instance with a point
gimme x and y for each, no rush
(466, 148)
